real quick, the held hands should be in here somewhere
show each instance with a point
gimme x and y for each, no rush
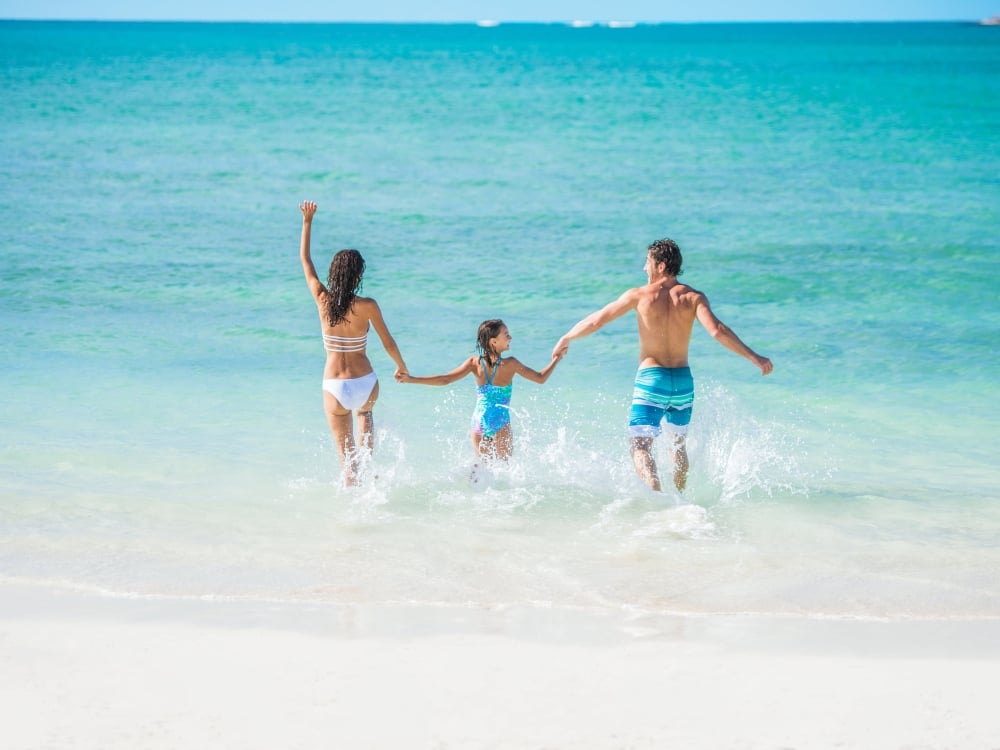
(560, 350)
(308, 209)
(401, 376)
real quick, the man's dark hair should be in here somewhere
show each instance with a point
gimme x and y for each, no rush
(666, 251)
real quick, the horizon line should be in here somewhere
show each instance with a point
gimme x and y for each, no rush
(488, 23)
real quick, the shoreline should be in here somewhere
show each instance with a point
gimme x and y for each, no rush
(21, 599)
(92, 671)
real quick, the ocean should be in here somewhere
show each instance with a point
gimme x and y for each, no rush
(834, 189)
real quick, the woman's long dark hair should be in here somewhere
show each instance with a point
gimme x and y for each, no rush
(343, 284)
(489, 329)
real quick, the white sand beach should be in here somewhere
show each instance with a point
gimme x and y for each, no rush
(86, 671)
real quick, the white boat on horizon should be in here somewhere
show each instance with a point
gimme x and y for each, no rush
(581, 24)
(621, 24)
(487, 23)
(991, 21)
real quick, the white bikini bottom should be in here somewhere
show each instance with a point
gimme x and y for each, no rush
(352, 393)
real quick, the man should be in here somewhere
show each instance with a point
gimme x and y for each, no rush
(666, 311)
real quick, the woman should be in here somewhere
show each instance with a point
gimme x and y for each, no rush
(349, 381)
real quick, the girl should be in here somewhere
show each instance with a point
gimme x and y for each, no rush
(349, 381)
(491, 433)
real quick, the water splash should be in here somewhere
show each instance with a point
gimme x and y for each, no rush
(741, 456)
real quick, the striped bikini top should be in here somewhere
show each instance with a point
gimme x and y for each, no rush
(345, 343)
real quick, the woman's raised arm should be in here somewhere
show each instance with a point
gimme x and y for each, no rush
(308, 209)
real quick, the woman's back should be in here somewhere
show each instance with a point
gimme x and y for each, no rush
(346, 342)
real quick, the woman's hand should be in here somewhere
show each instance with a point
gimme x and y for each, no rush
(308, 209)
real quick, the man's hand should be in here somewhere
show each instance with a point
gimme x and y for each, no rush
(560, 349)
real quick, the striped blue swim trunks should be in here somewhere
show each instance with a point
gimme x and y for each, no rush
(661, 392)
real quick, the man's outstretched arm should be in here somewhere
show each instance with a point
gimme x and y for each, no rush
(727, 337)
(597, 320)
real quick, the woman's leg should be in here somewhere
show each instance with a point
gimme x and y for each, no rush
(342, 426)
(366, 422)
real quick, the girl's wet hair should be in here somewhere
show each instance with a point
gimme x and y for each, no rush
(343, 284)
(489, 329)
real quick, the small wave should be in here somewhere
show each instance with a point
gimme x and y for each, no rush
(684, 522)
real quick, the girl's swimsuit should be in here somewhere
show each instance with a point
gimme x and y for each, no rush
(492, 411)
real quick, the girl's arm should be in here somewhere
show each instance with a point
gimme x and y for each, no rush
(308, 209)
(532, 375)
(378, 323)
(458, 373)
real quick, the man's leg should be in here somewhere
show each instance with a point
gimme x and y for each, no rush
(679, 451)
(642, 459)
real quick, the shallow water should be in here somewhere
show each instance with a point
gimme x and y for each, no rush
(833, 188)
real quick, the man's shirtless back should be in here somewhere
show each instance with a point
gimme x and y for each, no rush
(664, 389)
(666, 312)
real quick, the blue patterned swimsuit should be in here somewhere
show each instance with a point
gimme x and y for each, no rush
(661, 393)
(492, 411)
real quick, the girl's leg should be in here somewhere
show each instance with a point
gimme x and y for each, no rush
(503, 442)
(486, 447)
(478, 448)
(342, 426)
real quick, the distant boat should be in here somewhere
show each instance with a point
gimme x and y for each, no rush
(581, 24)
(991, 21)
(621, 24)
(487, 23)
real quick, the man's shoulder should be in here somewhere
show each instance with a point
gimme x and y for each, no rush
(629, 297)
(676, 289)
(687, 293)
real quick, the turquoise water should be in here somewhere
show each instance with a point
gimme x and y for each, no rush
(834, 188)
